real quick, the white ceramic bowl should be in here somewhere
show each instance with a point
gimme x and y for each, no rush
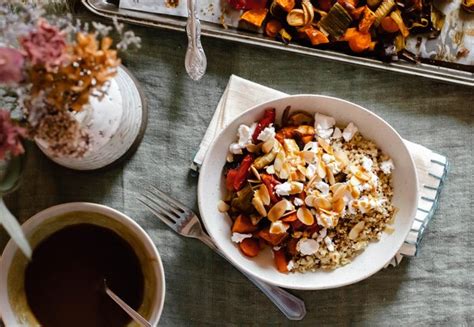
(13, 306)
(211, 189)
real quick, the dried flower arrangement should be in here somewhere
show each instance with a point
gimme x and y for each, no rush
(50, 67)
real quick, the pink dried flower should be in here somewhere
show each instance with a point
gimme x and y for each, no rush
(45, 45)
(11, 66)
(10, 136)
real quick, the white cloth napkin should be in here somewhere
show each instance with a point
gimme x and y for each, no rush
(242, 94)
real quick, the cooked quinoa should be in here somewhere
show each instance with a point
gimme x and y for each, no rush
(316, 193)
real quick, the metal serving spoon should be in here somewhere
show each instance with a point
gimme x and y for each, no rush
(10, 173)
(132, 313)
(195, 61)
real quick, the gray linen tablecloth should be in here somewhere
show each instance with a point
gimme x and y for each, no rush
(436, 287)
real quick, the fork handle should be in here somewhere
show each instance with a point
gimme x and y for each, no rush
(291, 306)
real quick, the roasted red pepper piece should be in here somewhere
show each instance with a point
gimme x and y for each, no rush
(243, 172)
(230, 178)
(270, 182)
(267, 119)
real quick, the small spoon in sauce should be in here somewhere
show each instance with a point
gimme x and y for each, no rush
(132, 313)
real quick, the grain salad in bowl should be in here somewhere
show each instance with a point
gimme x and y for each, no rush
(316, 236)
(315, 191)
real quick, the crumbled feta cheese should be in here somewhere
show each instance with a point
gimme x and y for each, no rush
(307, 246)
(387, 166)
(270, 170)
(323, 187)
(327, 158)
(329, 244)
(290, 265)
(298, 202)
(244, 134)
(349, 132)
(324, 125)
(311, 146)
(235, 148)
(367, 163)
(238, 237)
(322, 234)
(325, 122)
(337, 134)
(267, 134)
(311, 171)
(283, 189)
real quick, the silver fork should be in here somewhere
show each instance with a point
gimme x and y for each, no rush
(185, 222)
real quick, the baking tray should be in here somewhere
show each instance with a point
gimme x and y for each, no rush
(441, 71)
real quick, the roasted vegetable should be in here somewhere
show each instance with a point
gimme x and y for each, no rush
(358, 42)
(250, 247)
(383, 10)
(242, 202)
(270, 182)
(243, 172)
(389, 25)
(397, 17)
(272, 28)
(468, 5)
(280, 261)
(367, 20)
(286, 5)
(267, 119)
(243, 225)
(336, 22)
(255, 16)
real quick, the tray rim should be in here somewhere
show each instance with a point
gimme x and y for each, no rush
(438, 73)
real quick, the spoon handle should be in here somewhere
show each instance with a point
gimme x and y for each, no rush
(195, 61)
(13, 228)
(132, 313)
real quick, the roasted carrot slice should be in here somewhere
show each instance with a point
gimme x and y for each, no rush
(243, 224)
(291, 246)
(272, 28)
(280, 261)
(358, 42)
(250, 247)
(255, 16)
(315, 37)
(389, 25)
(272, 239)
(287, 5)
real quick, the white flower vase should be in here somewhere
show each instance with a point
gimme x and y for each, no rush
(116, 125)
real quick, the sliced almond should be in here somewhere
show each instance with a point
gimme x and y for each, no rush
(230, 157)
(321, 169)
(255, 172)
(267, 146)
(339, 192)
(277, 211)
(222, 206)
(279, 160)
(325, 145)
(296, 187)
(285, 171)
(322, 203)
(342, 158)
(338, 205)
(354, 181)
(252, 148)
(355, 231)
(362, 176)
(330, 176)
(258, 204)
(278, 227)
(305, 216)
(308, 156)
(291, 147)
(263, 194)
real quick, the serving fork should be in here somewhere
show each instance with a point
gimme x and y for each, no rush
(186, 223)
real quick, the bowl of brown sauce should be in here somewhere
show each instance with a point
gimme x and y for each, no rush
(76, 246)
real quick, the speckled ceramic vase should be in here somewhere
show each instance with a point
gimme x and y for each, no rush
(116, 124)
